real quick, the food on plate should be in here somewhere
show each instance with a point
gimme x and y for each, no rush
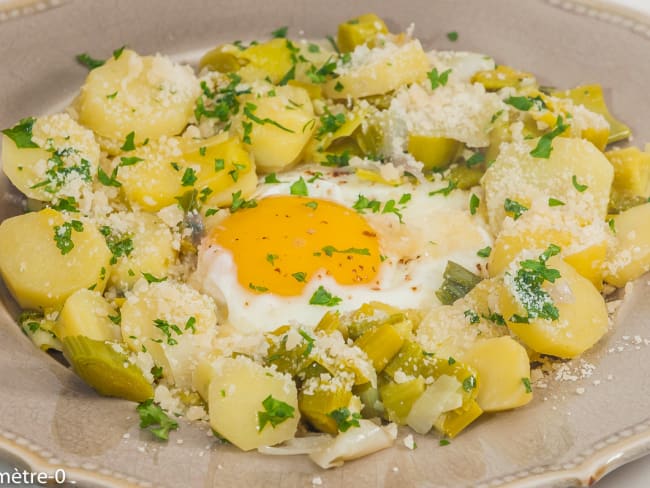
(306, 244)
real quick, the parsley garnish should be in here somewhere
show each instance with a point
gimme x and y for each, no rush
(330, 250)
(155, 419)
(324, 297)
(275, 412)
(612, 225)
(280, 33)
(271, 178)
(234, 173)
(554, 202)
(516, 208)
(485, 252)
(452, 36)
(65, 204)
(191, 324)
(118, 52)
(313, 205)
(472, 316)
(249, 108)
(156, 372)
(248, 128)
(438, 79)
(152, 279)
(576, 185)
(271, 258)
(475, 159)
(337, 160)
(364, 203)
(496, 318)
(166, 328)
(528, 287)
(451, 361)
(474, 202)
(89, 62)
(63, 235)
(330, 123)
(238, 202)
(469, 383)
(299, 188)
(444, 442)
(309, 340)
(129, 142)
(526, 382)
(189, 177)
(525, 103)
(21, 133)
(300, 276)
(119, 247)
(545, 144)
(344, 418)
(451, 186)
(258, 288)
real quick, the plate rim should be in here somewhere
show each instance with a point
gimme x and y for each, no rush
(586, 468)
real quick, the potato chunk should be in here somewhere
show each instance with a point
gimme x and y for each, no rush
(379, 70)
(61, 163)
(44, 258)
(175, 324)
(243, 395)
(576, 173)
(148, 95)
(144, 245)
(630, 257)
(502, 365)
(582, 313)
(86, 313)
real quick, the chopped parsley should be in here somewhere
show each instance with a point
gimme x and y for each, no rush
(528, 287)
(271, 178)
(118, 52)
(525, 103)
(249, 110)
(576, 185)
(451, 361)
(313, 205)
(514, 207)
(299, 188)
(129, 142)
(469, 383)
(472, 316)
(484, 252)
(248, 129)
(526, 382)
(238, 202)
(612, 225)
(495, 318)
(191, 324)
(63, 235)
(88, 61)
(330, 250)
(154, 419)
(444, 442)
(474, 159)
(345, 419)
(275, 412)
(280, 33)
(554, 202)
(330, 123)
(152, 279)
(271, 258)
(300, 276)
(166, 328)
(21, 133)
(474, 202)
(451, 186)
(324, 298)
(438, 79)
(234, 173)
(337, 160)
(258, 288)
(452, 36)
(545, 144)
(156, 372)
(309, 340)
(58, 173)
(118, 245)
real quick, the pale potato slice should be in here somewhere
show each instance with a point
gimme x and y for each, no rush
(630, 256)
(276, 148)
(576, 173)
(87, 313)
(504, 368)
(44, 258)
(151, 247)
(63, 165)
(242, 393)
(582, 320)
(174, 323)
(148, 95)
(379, 70)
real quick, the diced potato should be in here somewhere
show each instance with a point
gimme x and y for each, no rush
(41, 275)
(86, 313)
(394, 67)
(502, 364)
(63, 165)
(174, 323)
(360, 30)
(148, 95)
(582, 321)
(288, 125)
(589, 262)
(529, 180)
(152, 248)
(236, 405)
(631, 171)
(631, 254)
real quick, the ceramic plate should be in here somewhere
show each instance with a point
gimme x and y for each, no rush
(573, 432)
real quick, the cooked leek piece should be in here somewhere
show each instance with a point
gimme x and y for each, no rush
(380, 344)
(398, 398)
(102, 366)
(465, 178)
(358, 31)
(318, 405)
(453, 422)
(503, 76)
(591, 96)
(458, 281)
(631, 178)
(434, 152)
(442, 396)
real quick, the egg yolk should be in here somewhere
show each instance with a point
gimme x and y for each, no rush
(283, 242)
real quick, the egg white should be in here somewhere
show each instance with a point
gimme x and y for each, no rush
(433, 230)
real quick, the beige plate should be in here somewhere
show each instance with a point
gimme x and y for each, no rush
(50, 419)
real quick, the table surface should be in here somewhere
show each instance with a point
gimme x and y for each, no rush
(632, 475)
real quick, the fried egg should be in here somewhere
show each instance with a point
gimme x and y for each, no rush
(320, 240)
